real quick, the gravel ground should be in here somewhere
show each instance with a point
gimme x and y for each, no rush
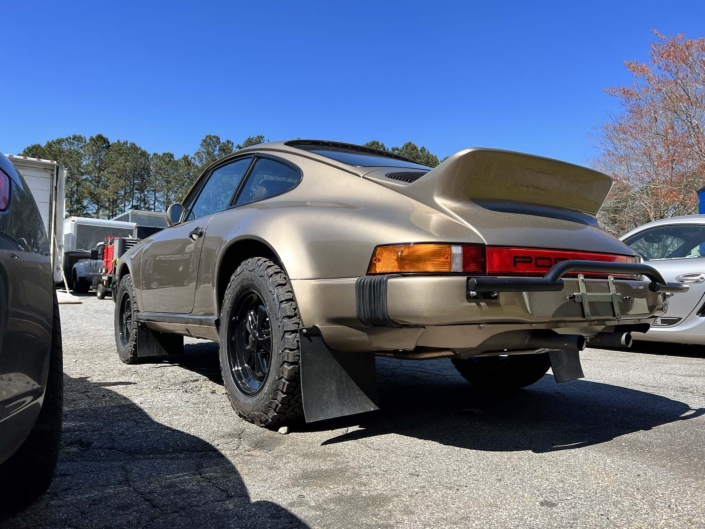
(157, 445)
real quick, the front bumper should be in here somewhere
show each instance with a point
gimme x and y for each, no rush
(405, 312)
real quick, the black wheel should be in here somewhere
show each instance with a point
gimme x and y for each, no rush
(29, 471)
(259, 344)
(503, 374)
(125, 321)
(78, 284)
(100, 290)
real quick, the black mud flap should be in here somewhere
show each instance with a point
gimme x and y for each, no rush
(335, 384)
(153, 343)
(566, 365)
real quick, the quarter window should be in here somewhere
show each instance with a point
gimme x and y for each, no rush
(679, 241)
(268, 178)
(219, 189)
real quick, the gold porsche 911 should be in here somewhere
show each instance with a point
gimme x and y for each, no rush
(306, 259)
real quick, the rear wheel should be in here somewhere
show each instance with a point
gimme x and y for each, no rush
(125, 321)
(503, 374)
(29, 471)
(259, 344)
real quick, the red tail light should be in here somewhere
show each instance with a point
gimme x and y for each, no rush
(4, 191)
(478, 259)
(535, 262)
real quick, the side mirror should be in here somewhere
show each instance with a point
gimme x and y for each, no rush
(173, 214)
(94, 255)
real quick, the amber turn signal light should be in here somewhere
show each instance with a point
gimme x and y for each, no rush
(427, 258)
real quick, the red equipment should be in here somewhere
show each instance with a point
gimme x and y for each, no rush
(110, 254)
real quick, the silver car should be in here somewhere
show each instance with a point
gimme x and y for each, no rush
(675, 247)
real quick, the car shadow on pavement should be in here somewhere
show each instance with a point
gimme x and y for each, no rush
(120, 468)
(433, 403)
(430, 401)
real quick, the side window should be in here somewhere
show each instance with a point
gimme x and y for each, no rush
(219, 189)
(268, 178)
(678, 241)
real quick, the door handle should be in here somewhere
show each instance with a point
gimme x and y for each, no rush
(195, 234)
(691, 278)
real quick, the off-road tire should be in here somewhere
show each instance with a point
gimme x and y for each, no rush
(29, 471)
(79, 285)
(279, 400)
(100, 291)
(497, 375)
(128, 352)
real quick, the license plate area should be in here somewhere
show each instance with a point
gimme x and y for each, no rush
(585, 298)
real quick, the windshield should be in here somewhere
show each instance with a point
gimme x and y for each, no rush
(359, 158)
(678, 241)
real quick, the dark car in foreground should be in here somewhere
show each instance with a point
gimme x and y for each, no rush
(31, 376)
(306, 259)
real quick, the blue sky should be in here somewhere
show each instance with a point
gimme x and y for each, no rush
(521, 75)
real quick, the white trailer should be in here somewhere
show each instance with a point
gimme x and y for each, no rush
(46, 180)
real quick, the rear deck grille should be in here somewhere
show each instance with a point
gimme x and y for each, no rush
(407, 177)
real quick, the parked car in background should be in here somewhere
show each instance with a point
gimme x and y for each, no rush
(676, 248)
(85, 272)
(305, 259)
(31, 378)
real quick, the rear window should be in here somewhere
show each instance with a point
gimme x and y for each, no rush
(678, 241)
(358, 158)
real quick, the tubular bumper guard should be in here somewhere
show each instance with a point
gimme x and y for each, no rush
(553, 281)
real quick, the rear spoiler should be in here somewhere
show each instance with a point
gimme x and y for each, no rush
(491, 175)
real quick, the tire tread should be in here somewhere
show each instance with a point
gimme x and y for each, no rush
(286, 405)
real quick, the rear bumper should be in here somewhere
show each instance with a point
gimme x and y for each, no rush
(553, 280)
(404, 312)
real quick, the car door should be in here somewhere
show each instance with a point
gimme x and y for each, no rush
(677, 251)
(170, 260)
(269, 176)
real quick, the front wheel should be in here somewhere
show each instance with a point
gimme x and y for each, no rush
(503, 374)
(125, 321)
(259, 344)
(78, 284)
(100, 291)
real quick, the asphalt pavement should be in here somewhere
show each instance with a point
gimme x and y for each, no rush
(158, 445)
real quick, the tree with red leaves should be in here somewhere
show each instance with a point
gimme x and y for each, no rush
(655, 149)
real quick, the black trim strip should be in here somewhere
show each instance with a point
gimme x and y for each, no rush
(371, 301)
(183, 319)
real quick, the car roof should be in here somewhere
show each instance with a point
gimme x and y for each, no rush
(294, 147)
(688, 219)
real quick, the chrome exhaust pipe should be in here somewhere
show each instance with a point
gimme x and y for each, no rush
(612, 339)
(559, 342)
